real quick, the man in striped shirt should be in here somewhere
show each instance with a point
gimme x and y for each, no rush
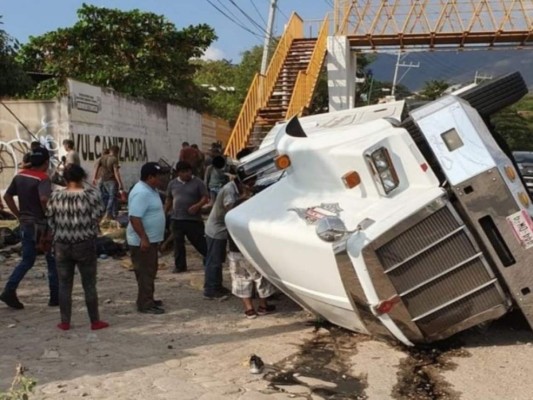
(32, 187)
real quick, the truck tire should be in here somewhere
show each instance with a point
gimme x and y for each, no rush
(487, 98)
(492, 96)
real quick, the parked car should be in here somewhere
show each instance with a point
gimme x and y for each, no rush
(524, 159)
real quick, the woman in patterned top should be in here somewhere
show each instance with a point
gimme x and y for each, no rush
(73, 215)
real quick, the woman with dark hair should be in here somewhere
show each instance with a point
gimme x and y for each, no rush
(73, 216)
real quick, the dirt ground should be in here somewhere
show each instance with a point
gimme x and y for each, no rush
(200, 349)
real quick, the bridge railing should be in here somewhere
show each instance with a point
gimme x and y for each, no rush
(435, 23)
(262, 87)
(306, 81)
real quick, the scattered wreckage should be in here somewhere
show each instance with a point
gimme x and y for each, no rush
(412, 225)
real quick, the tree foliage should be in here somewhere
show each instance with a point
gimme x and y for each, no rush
(249, 66)
(217, 79)
(13, 80)
(137, 53)
(228, 83)
(433, 89)
(515, 124)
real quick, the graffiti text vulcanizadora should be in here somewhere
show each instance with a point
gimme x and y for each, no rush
(90, 147)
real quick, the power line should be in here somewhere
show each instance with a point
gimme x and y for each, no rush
(250, 19)
(258, 12)
(232, 20)
(281, 12)
(229, 11)
(262, 29)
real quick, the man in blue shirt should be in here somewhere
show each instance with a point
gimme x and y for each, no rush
(144, 233)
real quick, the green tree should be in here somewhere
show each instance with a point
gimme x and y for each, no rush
(137, 53)
(250, 65)
(514, 128)
(217, 80)
(433, 89)
(13, 80)
(227, 84)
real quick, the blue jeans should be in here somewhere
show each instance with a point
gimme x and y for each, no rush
(213, 192)
(109, 191)
(28, 234)
(216, 254)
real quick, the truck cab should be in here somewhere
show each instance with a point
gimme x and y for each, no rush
(412, 226)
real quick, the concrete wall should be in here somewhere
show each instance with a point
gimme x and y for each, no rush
(97, 118)
(144, 130)
(46, 120)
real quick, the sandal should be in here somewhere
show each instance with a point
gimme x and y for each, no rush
(269, 309)
(250, 314)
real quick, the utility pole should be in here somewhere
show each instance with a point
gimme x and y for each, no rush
(481, 77)
(268, 36)
(398, 65)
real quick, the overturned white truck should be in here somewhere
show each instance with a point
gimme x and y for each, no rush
(410, 225)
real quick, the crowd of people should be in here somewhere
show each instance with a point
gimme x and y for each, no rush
(64, 224)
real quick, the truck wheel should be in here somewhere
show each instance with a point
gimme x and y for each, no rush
(487, 98)
(492, 96)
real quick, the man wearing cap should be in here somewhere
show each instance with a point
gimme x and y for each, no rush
(33, 188)
(145, 231)
(184, 200)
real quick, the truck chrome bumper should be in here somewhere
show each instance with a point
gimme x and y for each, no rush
(432, 263)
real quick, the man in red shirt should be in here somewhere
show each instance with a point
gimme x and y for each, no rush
(33, 188)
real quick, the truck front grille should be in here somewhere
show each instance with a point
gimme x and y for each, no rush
(440, 275)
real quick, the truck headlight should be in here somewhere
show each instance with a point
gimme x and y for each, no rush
(383, 170)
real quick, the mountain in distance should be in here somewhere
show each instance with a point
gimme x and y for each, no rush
(454, 67)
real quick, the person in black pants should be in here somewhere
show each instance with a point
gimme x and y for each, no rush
(73, 215)
(186, 194)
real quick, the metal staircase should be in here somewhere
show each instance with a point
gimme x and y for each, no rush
(285, 90)
(276, 108)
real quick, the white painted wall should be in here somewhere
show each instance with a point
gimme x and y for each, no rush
(46, 120)
(144, 130)
(96, 118)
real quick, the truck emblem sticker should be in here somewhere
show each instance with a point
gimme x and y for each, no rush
(522, 228)
(312, 214)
